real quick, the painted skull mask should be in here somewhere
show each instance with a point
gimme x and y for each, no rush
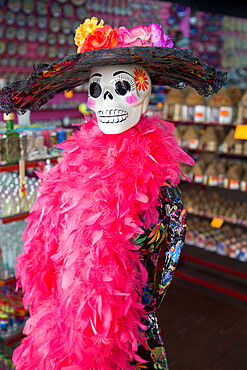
(118, 95)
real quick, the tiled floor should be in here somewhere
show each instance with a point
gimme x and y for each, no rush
(203, 330)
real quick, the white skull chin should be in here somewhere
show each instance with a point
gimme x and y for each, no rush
(118, 95)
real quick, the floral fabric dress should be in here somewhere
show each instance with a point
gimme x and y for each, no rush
(169, 233)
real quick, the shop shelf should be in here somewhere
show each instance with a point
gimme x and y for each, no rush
(212, 187)
(6, 282)
(28, 164)
(210, 217)
(208, 269)
(189, 123)
(213, 286)
(12, 337)
(228, 155)
(12, 218)
(215, 261)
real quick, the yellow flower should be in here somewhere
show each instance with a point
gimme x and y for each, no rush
(85, 29)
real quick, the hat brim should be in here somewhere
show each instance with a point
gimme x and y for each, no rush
(166, 66)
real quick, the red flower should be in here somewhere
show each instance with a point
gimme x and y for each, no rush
(102, 38)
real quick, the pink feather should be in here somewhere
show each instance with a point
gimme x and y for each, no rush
(79, 271)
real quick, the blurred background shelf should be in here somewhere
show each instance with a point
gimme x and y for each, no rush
(13, 218)
(28, 164)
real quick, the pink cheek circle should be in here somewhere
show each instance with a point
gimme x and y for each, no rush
(131, 99)
(91, 103)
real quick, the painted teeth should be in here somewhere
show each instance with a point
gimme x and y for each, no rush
(112, 115)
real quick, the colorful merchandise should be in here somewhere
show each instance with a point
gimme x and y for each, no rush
(88, 267)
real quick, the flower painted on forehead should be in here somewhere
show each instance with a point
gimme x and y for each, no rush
(141, 79)
(93, 35)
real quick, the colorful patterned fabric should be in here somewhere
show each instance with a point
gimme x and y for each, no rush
(169, 233)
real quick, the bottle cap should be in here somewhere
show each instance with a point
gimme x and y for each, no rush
(10, 116)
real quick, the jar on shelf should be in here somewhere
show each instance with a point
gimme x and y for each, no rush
(221, 169)
(173, 105)
(221, 108)
(194, 108)
(242, 110)
(233, 177)
(230, 144)
(198, 172)
(209, 140)
(211, 175)
(243, 182)
(191, 137)
(235, 96)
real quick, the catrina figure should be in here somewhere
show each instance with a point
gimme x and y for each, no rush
(95, 232)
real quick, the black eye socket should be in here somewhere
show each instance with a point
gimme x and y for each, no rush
(95, 89)
(122, 87)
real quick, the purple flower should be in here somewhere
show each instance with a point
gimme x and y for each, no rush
(147, 35)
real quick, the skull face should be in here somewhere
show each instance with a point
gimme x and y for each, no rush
(118, 95)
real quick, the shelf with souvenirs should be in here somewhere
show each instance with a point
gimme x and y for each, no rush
(217, 221)
(209, 131)
(215, 272)
(215, 251)
(216, 194)
(12, 319)
(213, 171)
(31, 144)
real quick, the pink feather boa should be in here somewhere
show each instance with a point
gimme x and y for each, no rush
(79, 271)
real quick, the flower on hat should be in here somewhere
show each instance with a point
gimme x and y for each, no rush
(103, 38)
(159, 38)
(147, 35)
(136, 36)
(92, 35)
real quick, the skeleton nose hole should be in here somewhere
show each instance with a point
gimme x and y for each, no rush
(107, 93)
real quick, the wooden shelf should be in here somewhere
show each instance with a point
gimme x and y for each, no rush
(13, 337)
(210, 217)
(220, 154)
(12, 218)
(7, 282)
(28, 164)
(190, 123)
(211, 187)
(210, 270)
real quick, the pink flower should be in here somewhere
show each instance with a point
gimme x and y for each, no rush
(147, 35)
(125, 38)
(158, 36)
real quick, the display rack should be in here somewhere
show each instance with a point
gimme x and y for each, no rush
(193, 123)
(209, 217)
(219, 154)
(213, 187)
(28, 164)
(13, 218)
(218, 273)
(7, 282)
(14, 337)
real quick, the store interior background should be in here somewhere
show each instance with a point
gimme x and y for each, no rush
(203, 316)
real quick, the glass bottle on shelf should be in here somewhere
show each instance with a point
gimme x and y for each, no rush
(10, 140)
